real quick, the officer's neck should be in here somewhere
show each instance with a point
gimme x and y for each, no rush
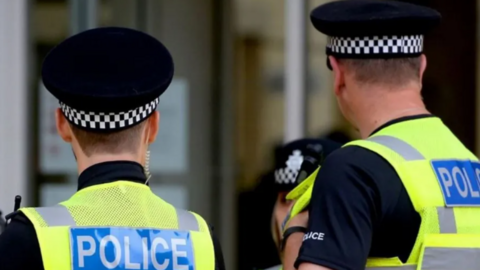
(84, 162)
(374, 110)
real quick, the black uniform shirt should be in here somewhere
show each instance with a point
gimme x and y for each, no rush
(359, 208)
(19, 247)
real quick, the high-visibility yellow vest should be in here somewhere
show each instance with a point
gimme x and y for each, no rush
(121, 225)
(442, 178)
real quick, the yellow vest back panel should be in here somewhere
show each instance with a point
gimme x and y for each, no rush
(442, 179)
(121, 225)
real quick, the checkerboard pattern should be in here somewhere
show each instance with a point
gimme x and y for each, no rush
(285, 176)
(376, 45)
(108, 121)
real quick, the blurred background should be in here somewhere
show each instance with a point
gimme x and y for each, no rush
(224, 115)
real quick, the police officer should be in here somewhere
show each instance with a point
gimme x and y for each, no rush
(288, 163)
(408, 193)
(109, 82)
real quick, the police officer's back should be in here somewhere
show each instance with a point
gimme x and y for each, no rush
(109, 82)
(407, 194)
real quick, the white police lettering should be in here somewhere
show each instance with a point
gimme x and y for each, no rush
(125, 248)
(314, 236)
(82, 253)
(117, 251)
(156, 242)
(447, 180)
(457, 177)
(474, 193)
(128, 263)
(178, 254)
(459, 181)
(145, 252)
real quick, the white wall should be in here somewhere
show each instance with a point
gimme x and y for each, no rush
(14, 103)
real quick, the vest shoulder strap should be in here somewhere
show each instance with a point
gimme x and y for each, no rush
(55, 216)
(398, 146)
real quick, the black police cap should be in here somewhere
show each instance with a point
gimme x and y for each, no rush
(108, 79)
(289, 158)
(374, 29)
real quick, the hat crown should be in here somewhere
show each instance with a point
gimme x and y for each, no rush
(373, 17)
(108, 78)
(109, 61)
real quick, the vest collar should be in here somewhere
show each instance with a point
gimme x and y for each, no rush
(401, 119)
(112, 171)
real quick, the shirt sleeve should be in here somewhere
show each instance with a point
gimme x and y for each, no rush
(342, 212)
(19, 248)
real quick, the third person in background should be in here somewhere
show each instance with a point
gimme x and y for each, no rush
(288, 162)
(407, 195)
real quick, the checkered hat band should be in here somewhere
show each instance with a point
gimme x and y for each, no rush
(285, 176)
(376, 45)
(108, 121)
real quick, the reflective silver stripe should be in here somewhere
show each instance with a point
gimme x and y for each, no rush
(446, 219)
(400, 147)
(443, 259)
(278, 267)
(403, 267)
(451, 258)
(187, 221)
(57, 215)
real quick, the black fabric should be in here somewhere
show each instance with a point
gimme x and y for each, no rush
(362, 208)
(107, 172)
(289, 232)
(219, 262)
(19, 247)
(338, 136)
(359, 18)
(256, 248)
(108, 69)
(2, 222)
(18, 240)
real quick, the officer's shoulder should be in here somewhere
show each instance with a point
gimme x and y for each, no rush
(351, 155)
(20, 228)
(353, 167)
(354, 157)
(17, 216)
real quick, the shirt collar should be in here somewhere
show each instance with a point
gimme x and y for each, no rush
(107, 172)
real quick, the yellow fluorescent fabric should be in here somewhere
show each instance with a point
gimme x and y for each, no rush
(120, 206)
(449, 235)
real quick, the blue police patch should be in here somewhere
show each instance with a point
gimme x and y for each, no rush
(459, 180)
(128, 248)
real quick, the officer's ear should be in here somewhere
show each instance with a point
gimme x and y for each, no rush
(423, 66)
(63, 127)
(152, 127)
(338, 74)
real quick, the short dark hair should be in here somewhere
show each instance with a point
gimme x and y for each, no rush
(395, 71)
(116, 142)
